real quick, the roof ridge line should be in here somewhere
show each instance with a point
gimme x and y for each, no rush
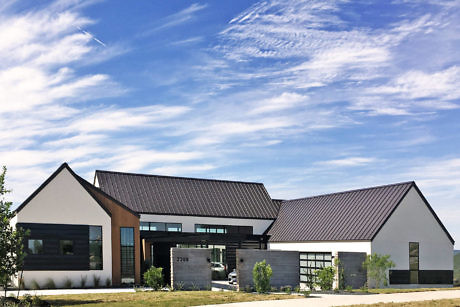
(350, 191)
(176, 177)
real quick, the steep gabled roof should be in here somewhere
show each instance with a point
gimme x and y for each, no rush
(80, 180)
(350, 215)
(152, 194)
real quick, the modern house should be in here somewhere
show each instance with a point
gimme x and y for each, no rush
(123, 223)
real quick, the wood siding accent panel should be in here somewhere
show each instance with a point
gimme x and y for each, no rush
(121, 217)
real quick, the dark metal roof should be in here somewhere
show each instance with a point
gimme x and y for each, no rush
(350, 215)
(154, 194)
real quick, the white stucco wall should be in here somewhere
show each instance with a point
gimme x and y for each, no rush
(325, 246)
(412, 221)
(188, 222)
(65, 201)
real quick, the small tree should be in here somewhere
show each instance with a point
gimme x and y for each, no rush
(11, 240)
(261, 274)
(325, 277)
(154, 277)
(377, 266)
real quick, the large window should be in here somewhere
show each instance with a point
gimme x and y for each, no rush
(95, 248)
(310, 262)
(127, 254)
(66, 247)
(201, 228)
(155, 226)
(35, 246)
(413, 262)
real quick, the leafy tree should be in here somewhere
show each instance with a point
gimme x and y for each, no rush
(154, 277)
(11, 240)
(325, 277)
(377, 266)
(261, 274)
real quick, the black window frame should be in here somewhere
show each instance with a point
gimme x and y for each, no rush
(127, 256)
(308, 264)
(208, 228)
(160, 226)
(95, 265)
(414, 262)
(29, 250)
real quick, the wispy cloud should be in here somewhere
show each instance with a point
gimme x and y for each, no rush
(183, 16)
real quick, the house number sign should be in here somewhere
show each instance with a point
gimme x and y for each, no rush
(182, 259)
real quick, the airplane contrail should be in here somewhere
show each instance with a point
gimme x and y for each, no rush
(92, 36)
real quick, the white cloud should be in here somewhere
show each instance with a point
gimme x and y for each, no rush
(347, 162)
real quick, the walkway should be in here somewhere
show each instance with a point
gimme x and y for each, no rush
(324, 300)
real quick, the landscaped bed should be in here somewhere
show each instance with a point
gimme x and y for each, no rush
(176, 298)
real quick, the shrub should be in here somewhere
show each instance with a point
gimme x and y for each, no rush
(49, 284)
(195, 287)
(286, 289)
(325, 277)
(349, 288)
(96, 281)
(208, 287)
(261, 274)
(34, 285)
(306, 293)
(83, 281)
(310, 281)
(377, 266)
(179, 286)
(273, 289)
(67, 283)
(154, 277)
(108, 282)
(297, 289)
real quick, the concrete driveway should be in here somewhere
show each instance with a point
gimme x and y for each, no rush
(322, 300)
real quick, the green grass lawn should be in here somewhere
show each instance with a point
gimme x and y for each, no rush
(434, 303)
(177, 298)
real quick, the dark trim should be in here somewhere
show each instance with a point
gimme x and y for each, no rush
(88, 186)
(47, 181)
(218, 216)
(81, 181)
(434, 214)
(413, 185)
(43, 185)
(392, 211)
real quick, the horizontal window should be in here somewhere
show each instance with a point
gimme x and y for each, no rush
(66, 247)
(156, 226)
(201, 228)
(35, 246)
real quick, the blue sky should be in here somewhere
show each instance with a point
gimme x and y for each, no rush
(307, 97)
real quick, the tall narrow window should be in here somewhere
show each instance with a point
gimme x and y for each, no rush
(127, 254)
(95, 247)
(413, 262)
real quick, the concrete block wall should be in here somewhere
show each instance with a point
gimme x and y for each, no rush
(354, 274)
(191, 267)
(284, 264)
